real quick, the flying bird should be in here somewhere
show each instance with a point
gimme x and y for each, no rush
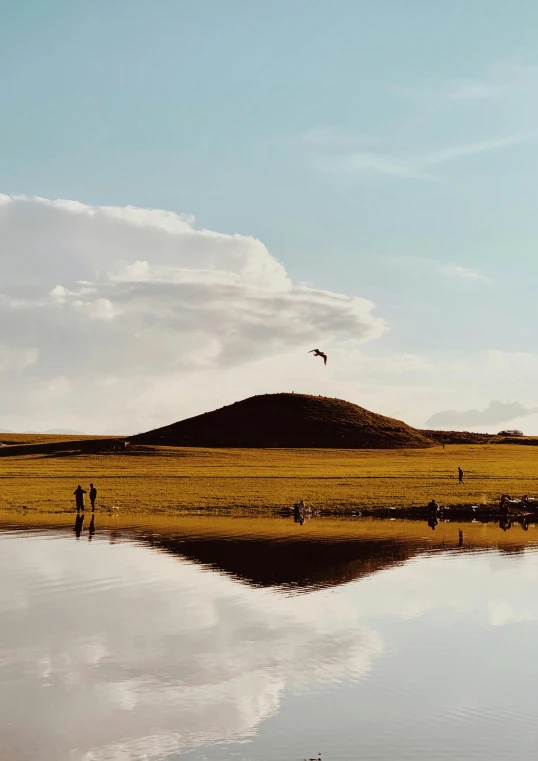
(318, 353)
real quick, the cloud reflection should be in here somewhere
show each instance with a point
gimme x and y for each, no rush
(125, 653)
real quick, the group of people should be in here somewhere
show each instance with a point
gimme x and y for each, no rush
(79, 496)
(506, 516)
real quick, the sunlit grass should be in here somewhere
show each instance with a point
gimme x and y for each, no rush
(43, 438)
(168, 479)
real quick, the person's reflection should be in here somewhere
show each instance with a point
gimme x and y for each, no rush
(460, 538)
(433, 520)
(299, 511)
(91, 528)
(79, 523)
(505, 523)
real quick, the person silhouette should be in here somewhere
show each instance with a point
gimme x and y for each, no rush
(460, 476)
(79, 497)
(93, 496)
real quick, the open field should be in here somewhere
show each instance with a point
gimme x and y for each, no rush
(145, 479)
(44, 438)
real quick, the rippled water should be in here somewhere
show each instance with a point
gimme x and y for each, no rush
(232, 639)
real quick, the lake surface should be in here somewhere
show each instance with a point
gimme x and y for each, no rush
(218, 639)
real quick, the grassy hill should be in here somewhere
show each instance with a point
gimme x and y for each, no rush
(289, 420)
(460, 437)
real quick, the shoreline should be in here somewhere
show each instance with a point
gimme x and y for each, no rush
(448, 513)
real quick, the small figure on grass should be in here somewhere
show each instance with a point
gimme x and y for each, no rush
(460, 476)
(79, 497)
(93, 496)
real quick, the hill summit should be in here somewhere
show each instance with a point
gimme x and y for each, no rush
(288, 420)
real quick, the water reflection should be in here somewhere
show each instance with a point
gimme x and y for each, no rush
(79, 524)
(159, 653)
(186, 643)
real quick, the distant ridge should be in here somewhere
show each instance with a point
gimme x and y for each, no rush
(289, 420)
(56, 431)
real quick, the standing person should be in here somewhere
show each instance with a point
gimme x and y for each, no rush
(93, 496)
(79, 497)
(460, 476)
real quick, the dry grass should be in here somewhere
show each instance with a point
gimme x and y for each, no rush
(163, 479)
(44, 438)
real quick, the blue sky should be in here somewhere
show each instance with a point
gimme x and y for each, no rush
(382, 150)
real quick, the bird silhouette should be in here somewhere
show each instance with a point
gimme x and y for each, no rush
(318, 353)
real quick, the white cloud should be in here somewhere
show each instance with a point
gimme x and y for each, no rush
(475, 90)
(463, 272)
(471, 149)
(501, 81)
(495, 413)
(414, 166)
(16, 360)
(508, 84)
(142, 296)
(100, 309)
(378, 163)
(512, 361)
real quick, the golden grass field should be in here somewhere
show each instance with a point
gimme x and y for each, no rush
(156, 480)
(43, 438)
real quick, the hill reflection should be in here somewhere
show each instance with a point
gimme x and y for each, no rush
(295, 564)
(275, 553)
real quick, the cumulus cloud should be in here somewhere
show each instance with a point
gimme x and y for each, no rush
(142, 296)
(496, 412)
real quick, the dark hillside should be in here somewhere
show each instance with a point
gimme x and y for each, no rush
(288, 420)
(459, 437)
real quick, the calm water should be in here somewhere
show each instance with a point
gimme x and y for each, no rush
(223, 639)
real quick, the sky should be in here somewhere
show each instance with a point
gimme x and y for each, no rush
(195, 194)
